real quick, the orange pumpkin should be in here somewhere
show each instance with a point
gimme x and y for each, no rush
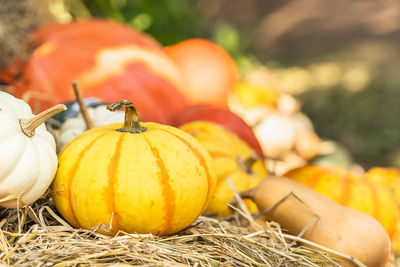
(222, 116)
(210, 71)
(232, 159)
(350, 190)
(110, 61)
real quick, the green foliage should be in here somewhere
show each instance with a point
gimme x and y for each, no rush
(167, 21)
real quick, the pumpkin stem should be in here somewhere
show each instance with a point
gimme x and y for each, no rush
(132, 120)
(82, 106)
(28, 126)
(247, 164)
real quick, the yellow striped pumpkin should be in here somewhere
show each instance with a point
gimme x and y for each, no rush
(143, 178)
(386, 177)
(232, 158)
(350, 190)
(390, 179)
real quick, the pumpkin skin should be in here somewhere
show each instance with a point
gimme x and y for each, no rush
(390, 179)
(229, 155)
(73, 110)
(210, 71)
(27, 164)
(73, 127)
(157, 181)
(386, 177)
(350, 190)
(223, 117)
(252, 102)
(120, 64)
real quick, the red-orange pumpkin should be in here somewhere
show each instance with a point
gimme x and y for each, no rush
(221, 116)
(110, 61)
(210, 71)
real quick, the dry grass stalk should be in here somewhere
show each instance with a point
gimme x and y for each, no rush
(38, 236)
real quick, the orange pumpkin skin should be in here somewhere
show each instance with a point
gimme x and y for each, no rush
(222, 116)
(350, 190)
(120, 64)
(210, 71)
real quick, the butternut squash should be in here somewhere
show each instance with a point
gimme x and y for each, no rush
(338, 228)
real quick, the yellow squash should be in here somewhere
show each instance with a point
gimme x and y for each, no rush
(143, 178)
(350, 190)
(232, 159)
(390, 179)
(386, 177)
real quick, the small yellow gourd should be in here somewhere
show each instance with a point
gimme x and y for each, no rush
(232, 159)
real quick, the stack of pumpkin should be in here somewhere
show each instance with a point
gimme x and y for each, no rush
(159, 175)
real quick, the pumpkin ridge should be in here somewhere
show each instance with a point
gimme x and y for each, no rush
(75, 139)
(112, 171)
(346, 189)
(314, 179)
(44, 145)
(215, 155)
(202, 162)
(167, 192)
(374, 194)
(72, 174)
(4, 176)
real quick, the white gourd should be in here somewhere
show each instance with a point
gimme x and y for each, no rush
(73, 127)
(28, 159)
(276, 135)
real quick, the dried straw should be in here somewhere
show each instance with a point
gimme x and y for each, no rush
(38, 236)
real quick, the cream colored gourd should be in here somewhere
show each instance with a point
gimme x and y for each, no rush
(28, 159)
(73, 127)
(338, 228)
(276, 135)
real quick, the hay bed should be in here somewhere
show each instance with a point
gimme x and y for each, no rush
(37, 236)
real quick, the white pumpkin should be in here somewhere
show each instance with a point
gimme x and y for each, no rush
(73, 127)
(28, 159)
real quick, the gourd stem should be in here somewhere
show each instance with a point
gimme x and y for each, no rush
(28, 126)
(247, 164)
(132, 120)
(82, 106)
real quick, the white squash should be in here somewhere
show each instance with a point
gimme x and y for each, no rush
(28, 159)
(73, 127)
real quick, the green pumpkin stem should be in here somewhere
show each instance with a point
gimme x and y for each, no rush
(28, 126)
(132, 120)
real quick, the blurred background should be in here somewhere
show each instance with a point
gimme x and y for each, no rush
(339, 58)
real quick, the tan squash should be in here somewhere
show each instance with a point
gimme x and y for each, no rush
(341, 229)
